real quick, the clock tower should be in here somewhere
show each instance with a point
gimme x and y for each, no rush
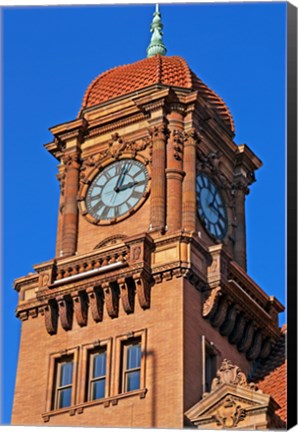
(148, 293)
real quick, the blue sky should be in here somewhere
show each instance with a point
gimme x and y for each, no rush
(51, 54)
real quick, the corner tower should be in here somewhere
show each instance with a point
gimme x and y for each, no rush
(148, 291)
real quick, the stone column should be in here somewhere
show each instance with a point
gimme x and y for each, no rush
(70, 209)
(240, 231)
(158, 183)
(189, 208)
(174, 172)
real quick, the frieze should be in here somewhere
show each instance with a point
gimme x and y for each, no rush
(101, 130)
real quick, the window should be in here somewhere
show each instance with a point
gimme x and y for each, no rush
(209, 361)
(210, 367)
(131, 358)
(97, 374)
(64, 382)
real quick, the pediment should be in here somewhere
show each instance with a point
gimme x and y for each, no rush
(232, 402)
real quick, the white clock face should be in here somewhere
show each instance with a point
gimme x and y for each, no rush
(117, 189)
(211, 207)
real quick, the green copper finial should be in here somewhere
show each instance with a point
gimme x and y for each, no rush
(156, 45)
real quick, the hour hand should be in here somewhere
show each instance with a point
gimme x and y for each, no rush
(126, 186)
(129, 185)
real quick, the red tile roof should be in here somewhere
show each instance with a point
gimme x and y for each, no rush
(171, 71)
(271, 376)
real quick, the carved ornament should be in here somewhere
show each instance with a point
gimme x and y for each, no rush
(211, 303)
(178, 138)
(230, 413)
(160, 132)
(230, 374)
(192, 137)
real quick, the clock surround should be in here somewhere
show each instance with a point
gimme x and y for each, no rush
(115, 190)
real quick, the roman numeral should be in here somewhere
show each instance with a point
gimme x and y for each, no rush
(107, 175)
(137, 195)
(95, 197)
(97, 206)
(104, 214)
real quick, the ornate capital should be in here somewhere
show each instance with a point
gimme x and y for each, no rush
(72, 161)
(159, 132)
(192, 137)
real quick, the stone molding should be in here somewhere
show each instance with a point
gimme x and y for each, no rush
(114, 275)
(237, 307)
(233, 403)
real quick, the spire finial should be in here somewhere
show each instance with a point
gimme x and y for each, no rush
(156, 45)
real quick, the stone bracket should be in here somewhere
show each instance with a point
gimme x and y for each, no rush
(96, 303)
(65, 312)
(127, 295)
(111, 296)
(143, 289)
(80, 308)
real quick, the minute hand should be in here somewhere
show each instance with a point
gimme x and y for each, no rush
(129, 185)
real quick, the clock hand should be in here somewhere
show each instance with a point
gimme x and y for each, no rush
(121, 178)
(129, 185)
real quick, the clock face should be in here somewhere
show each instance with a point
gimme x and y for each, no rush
(117, 189)
(211, 207)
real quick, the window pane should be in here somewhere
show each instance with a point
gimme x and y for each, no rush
(98, 389)
(66, 373)
(133, 356)
(99, 365)
(132, 381)
(64, 398)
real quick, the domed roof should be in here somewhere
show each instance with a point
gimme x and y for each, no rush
(170, 71)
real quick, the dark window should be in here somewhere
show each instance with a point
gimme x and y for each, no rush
(97, 374)
(131, 365)
(64, 380)
(210, 367)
